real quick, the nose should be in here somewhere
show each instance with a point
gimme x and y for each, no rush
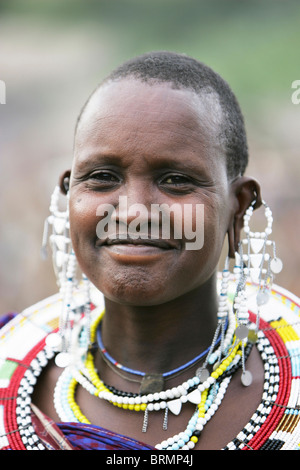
(134, 207)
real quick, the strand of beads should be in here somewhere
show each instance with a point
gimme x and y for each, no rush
(227, 341)
(29, 438)
(59, 239)
(270, 392)
(187, 439)
(85, 338)
(223, 309)
(112, 363)
(275, 399)
(211, 394)
(223, 314)
(206, 394)
(64, 403)
(285, 404)
(172, 398)
(214, 356)
(65, 267)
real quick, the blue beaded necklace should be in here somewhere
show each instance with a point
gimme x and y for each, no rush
(112, 362)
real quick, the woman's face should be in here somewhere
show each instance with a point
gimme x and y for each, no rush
(150, 145)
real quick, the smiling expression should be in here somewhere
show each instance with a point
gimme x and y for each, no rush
(152, 144)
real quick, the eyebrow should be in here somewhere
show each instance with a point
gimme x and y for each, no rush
(92, 159)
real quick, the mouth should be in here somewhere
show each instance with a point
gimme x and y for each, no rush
(140, 241)
(137, 247)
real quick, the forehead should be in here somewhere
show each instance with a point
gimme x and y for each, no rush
(133, 112)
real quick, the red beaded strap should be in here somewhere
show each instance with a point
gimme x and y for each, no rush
(283, 395)
(8, 397)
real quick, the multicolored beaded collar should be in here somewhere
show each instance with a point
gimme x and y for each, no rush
(274, 425)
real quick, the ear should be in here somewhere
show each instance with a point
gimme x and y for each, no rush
(64, 181)
(245, 190)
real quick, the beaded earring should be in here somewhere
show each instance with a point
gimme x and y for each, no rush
(225, 329)
(65, 268)
(254, 263)
(223, 310)
(214, 355)
(260, 260)
(59, 239)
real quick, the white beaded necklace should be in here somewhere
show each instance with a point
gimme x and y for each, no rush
(204, 390)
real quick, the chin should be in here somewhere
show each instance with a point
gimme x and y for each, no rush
(133, 289)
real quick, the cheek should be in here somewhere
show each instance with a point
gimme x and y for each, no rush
(82, 221)
(211, 226)
(186, 223)
(193, 225)
(215, 229)
(204, 225)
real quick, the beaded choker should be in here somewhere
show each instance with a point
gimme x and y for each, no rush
(150, 383)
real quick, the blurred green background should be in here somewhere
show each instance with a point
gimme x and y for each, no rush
(53, 54)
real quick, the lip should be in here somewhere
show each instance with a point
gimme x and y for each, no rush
(140, 248)
(140, 242)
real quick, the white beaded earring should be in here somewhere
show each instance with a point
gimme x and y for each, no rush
(260, 259)
(225, 326)
(65, 268)
(223, 309)
(256, 262)
(59, 239)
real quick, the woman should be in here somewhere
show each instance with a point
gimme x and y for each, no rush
(170, 364)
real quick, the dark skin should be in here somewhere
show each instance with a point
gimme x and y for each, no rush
(155, 144)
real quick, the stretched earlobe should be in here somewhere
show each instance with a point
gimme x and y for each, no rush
(245, 190)
(64, 181)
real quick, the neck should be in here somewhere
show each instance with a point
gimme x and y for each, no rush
(156, 339)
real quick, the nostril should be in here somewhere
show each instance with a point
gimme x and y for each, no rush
(127, 212)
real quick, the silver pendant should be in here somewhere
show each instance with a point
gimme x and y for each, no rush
(152, 383)
(202, 374)
(242, 332)
(246, 378)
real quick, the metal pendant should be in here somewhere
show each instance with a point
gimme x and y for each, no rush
(152, 383)
(246, 378)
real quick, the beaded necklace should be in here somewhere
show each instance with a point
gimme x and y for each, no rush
(149, 381)
(207, 395)
(274, 425)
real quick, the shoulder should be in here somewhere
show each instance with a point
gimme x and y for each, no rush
(280, 302)
(36, 322)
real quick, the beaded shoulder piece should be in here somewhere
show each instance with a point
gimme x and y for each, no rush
(23, 355)
(274, 425)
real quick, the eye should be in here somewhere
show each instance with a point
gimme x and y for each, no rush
(103, 179)
(177, 183)
(104, 176)
(175, 179)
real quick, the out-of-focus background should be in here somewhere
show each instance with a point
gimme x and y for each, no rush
(53, 53)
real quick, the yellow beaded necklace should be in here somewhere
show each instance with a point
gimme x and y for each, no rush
(193, 390)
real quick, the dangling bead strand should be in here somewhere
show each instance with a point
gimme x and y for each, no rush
(222, 315)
